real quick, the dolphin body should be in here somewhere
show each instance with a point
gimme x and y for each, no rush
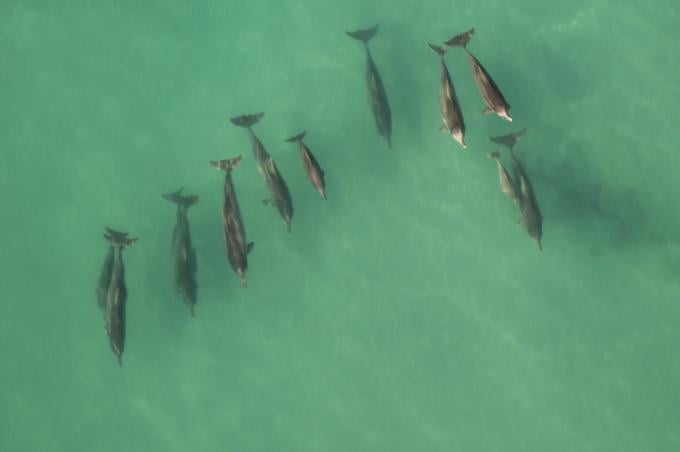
(491, 94)
(377, 96)
(116, 294)
(234, 231)
(314, 171)
(184, 253)
(278, 190)
(452, 115)
(532, 219)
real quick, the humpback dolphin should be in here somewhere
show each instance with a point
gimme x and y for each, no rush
(234, 231)
(312, 167)
(376, 90)
(493, 98)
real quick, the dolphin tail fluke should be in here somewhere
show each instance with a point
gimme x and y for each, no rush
(116, 234)
(116, 238)
(177, 198)
(247, 121)
(439, 50)
(120, 359)
(460, 40)
(363, 35)
(226, 164)
(540, 245)
(297, 138)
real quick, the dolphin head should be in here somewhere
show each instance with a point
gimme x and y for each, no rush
(458, 136)
(242, 274)
(505, 114)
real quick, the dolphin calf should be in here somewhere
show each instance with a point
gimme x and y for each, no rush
(452, 115)
(507, 184)
(184, 253)
(493, 98)
(528, 205)
(234, 231)
(312, 167)
(116, 295)
(278, 190)
(376, 90)
(509, 140)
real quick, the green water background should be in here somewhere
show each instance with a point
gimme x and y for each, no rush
(408, 312)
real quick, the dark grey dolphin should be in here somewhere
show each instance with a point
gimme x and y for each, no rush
(506, 182)
(278, 190)
(105, 279)
(312, 167)
(528, 205)
(184, 253)
(452, 115)
(509, 140)
(116, 295)
(234, 231)
(376, 90)
(493, 98)
(280, 195)
(247, 121)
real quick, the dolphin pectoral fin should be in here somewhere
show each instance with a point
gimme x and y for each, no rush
(249, 247)
(268, 202)
(487, 111)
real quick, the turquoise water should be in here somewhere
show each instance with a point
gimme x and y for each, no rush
(410, 311)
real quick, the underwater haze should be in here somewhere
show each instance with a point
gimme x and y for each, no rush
(411, 311)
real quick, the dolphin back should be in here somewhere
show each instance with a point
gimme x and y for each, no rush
(363, 35)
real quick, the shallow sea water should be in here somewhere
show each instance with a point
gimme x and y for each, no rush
(410, 311)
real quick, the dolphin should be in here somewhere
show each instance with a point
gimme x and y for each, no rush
(116, 295)
(312, 167)
(452, 115)
(509, 140)
(280, 195)
(507, 184)
(376, 90)
(528, 205)
(278, 190)
(185, 255)
(234, 231)
(493, 98)
(105, 279)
